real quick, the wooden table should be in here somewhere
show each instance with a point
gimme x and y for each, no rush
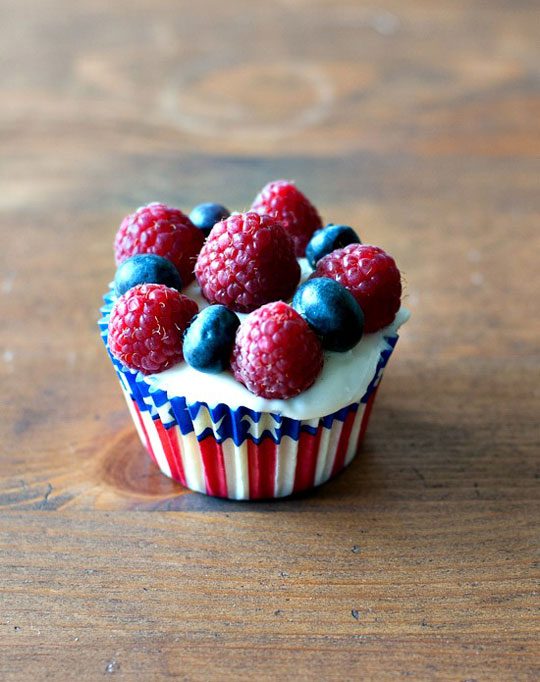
(416, 122)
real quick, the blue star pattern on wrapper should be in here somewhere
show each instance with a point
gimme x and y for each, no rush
(221, 421)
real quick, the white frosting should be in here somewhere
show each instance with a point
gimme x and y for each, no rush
(342, 381)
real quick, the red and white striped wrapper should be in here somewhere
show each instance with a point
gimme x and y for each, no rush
(253, 471)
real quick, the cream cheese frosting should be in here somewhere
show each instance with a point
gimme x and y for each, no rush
(343, 380)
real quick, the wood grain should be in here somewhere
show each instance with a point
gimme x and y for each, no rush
(239, 594)
(418, 123)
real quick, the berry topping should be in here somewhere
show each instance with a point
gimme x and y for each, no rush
(165, 231)
(146, 327)
(205, 216)
(209, 339)
(145, 268)
(276, 354)
(283, 201)
(328, 239)
(331, 311)
(372, 277)
(247, 260)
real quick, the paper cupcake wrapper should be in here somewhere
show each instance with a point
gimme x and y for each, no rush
(239, 453)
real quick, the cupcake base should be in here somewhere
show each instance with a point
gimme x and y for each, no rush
(255, 470)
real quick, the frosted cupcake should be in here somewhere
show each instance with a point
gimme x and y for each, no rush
(257, 379)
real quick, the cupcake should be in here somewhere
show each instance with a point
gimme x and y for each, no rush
(249, 347)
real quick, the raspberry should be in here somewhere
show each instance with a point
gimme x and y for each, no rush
(283, 201)
(371, 275)
(146, 327)
(276, 354)
(165, 231)
(247, 260)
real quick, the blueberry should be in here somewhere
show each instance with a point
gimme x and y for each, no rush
(209, 339)
(205, 216)
(328, 239)
(331, 311)
(145, 268)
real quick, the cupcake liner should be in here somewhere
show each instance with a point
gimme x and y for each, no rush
(256, 468)
(240, 453)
